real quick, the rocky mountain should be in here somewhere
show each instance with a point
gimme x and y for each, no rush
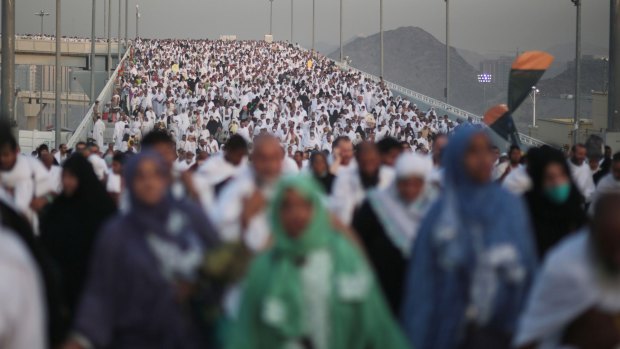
(416, 59)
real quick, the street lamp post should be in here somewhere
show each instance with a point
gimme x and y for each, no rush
(105, 16)
(292, 20)
(109, 38)
(381, 31)
(313, 24)
(535, 91)
(613, 72)
(270, 17)
(92, 52)
(447, 90)
(484, 79)
(126, 23)
(8, 62)
(41, 14)
(118, 35)
(577, 4)
(137, 21)
(58, 76)
(341, 15)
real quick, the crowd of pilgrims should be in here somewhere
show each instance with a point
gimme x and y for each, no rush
(331, 215)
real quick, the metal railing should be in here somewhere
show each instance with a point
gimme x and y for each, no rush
(81, 133)
(437, 104)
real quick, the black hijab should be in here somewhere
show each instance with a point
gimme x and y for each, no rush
(69, 228)
(552, 221)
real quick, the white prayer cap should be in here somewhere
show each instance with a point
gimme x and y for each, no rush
(413, 165)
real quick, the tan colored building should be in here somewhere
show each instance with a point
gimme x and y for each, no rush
(558, 131)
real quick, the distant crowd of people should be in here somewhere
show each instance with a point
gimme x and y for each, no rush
(64, 38)
(255, 196)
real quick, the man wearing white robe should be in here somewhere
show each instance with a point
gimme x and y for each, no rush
(119, 131)
(349, 190)
(610, 183)
(241, 210)
(581, 172)
(98, 132)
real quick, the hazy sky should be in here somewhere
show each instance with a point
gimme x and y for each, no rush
(485, 26)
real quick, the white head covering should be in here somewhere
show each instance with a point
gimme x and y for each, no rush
(413, 165)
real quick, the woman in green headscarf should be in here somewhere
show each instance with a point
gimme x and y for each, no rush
(312, 288)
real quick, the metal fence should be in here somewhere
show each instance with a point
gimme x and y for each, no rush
(85, 127)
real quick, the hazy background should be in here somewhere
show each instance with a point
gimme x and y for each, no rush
(484, 26)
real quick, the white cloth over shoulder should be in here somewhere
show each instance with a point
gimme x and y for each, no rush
(348, 192)
(518, 181)
(22, 324)
(568, 285)
(226, 213)
(582, 175)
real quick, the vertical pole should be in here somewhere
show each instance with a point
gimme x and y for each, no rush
(92, 52)
(270, 17)
(613, 89)
(137, 21)
(58, 74)
(8, 61)
(447, 91)
(40, 121)
(68, 89)
(484, 97)
(534, 108)
(292, 20)
(41, 88)
(381, 30)
(313, 24)
(109, 63)
(118, 35)
(126, 24)
(577, 73)
(41, 85)
(105, 16)
(341, 17)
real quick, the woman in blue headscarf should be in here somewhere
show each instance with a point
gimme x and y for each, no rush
(474, 258)
(143, 268)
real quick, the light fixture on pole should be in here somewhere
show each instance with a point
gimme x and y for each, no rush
(41, 14)
(576, 117)
(535, 91)
(484, 79)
